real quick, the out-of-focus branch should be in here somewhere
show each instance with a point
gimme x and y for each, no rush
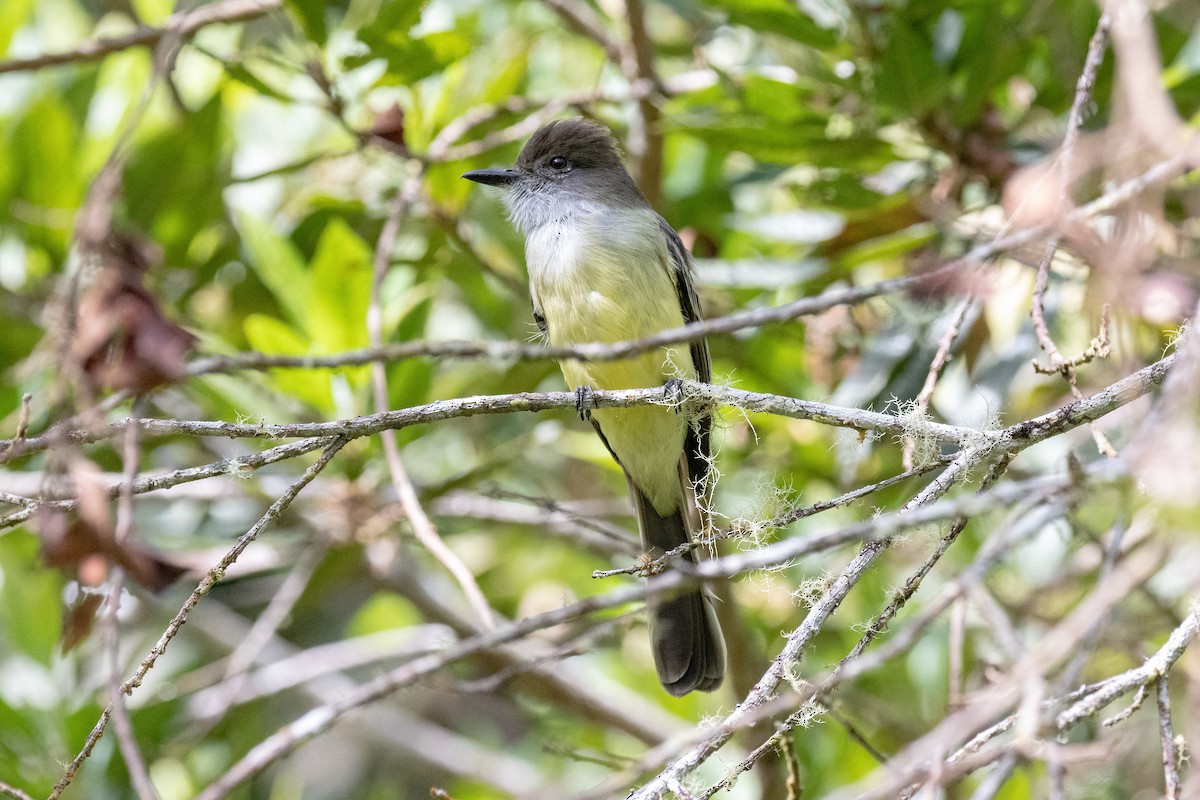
(214, 576)
(182, 24)
(235, 466)
(940, 357)
(423, 528)
(645, 134)
(1099, 347)
(501, 350)
(316, 674)
(915, 765)
(1151, 670)
(1012, 440)
(13, 792)
(1139, 74)
(580, 18)
(1170, 754)
(318, 720)
(261, 633)
(131, 754)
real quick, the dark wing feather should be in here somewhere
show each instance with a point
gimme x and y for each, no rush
(699, 433)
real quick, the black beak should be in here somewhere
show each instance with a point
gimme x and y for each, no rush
(493, 177)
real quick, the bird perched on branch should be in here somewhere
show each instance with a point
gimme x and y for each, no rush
(605, 267)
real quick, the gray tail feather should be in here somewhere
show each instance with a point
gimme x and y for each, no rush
(689, 650)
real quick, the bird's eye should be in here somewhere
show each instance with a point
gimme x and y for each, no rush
(559, 163)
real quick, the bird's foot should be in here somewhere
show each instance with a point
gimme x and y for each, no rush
(585, 401)
(673, 394)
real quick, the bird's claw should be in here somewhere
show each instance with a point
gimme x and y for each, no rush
(673, 394)
(585, 401)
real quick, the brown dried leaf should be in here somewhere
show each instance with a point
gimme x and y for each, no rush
(122, 339)
(389, 127)
(939, 285)
(79, 618)
(70, 543)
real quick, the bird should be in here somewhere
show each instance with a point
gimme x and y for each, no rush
(605, 267)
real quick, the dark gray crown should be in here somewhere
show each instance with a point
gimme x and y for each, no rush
(586, 144)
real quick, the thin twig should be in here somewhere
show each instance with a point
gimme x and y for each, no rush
(422, 527)
(250, 647)
(580, 18)
(912, 765)
(1100, 346)
(122, 725)
(440, 410)
(739, 527)
(214, 576)
(241, 466)
(1151, 670)
(1021, 434)
(321, 719)
(13, 792)
(183, 24)
(515, 351)
(945, 343)
(1170, 754)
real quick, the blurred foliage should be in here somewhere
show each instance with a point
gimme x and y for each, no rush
(805, 147)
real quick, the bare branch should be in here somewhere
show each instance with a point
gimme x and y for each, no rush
(240, 466)
(122, 726)
(183, 24)
(1151, 670)
(13, 792)
(935, 368)
(1170, 754)
(580, 18)
(881, 528)
(214, 576)
(423, 528)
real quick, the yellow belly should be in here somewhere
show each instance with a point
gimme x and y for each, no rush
(647, 440)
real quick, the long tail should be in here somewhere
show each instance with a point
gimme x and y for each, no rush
(689, 650)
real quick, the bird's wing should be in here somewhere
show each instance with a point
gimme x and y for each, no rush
(699, 433)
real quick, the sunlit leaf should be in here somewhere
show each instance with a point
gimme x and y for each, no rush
(278, 265)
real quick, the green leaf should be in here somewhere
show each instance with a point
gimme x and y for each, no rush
(1186, 63)
(776, 16)
(385, 16)
(311, 14)
(30, 598)
(45, 145)
(382, 611)
(270, 335)
(987, 61)
(341, 287)
(795, 144)
(910, 81)
(240, 73)
(191, 151)
(16, 13)
(891, 246)
(278, 265)
(275, 337)
(410, 60)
